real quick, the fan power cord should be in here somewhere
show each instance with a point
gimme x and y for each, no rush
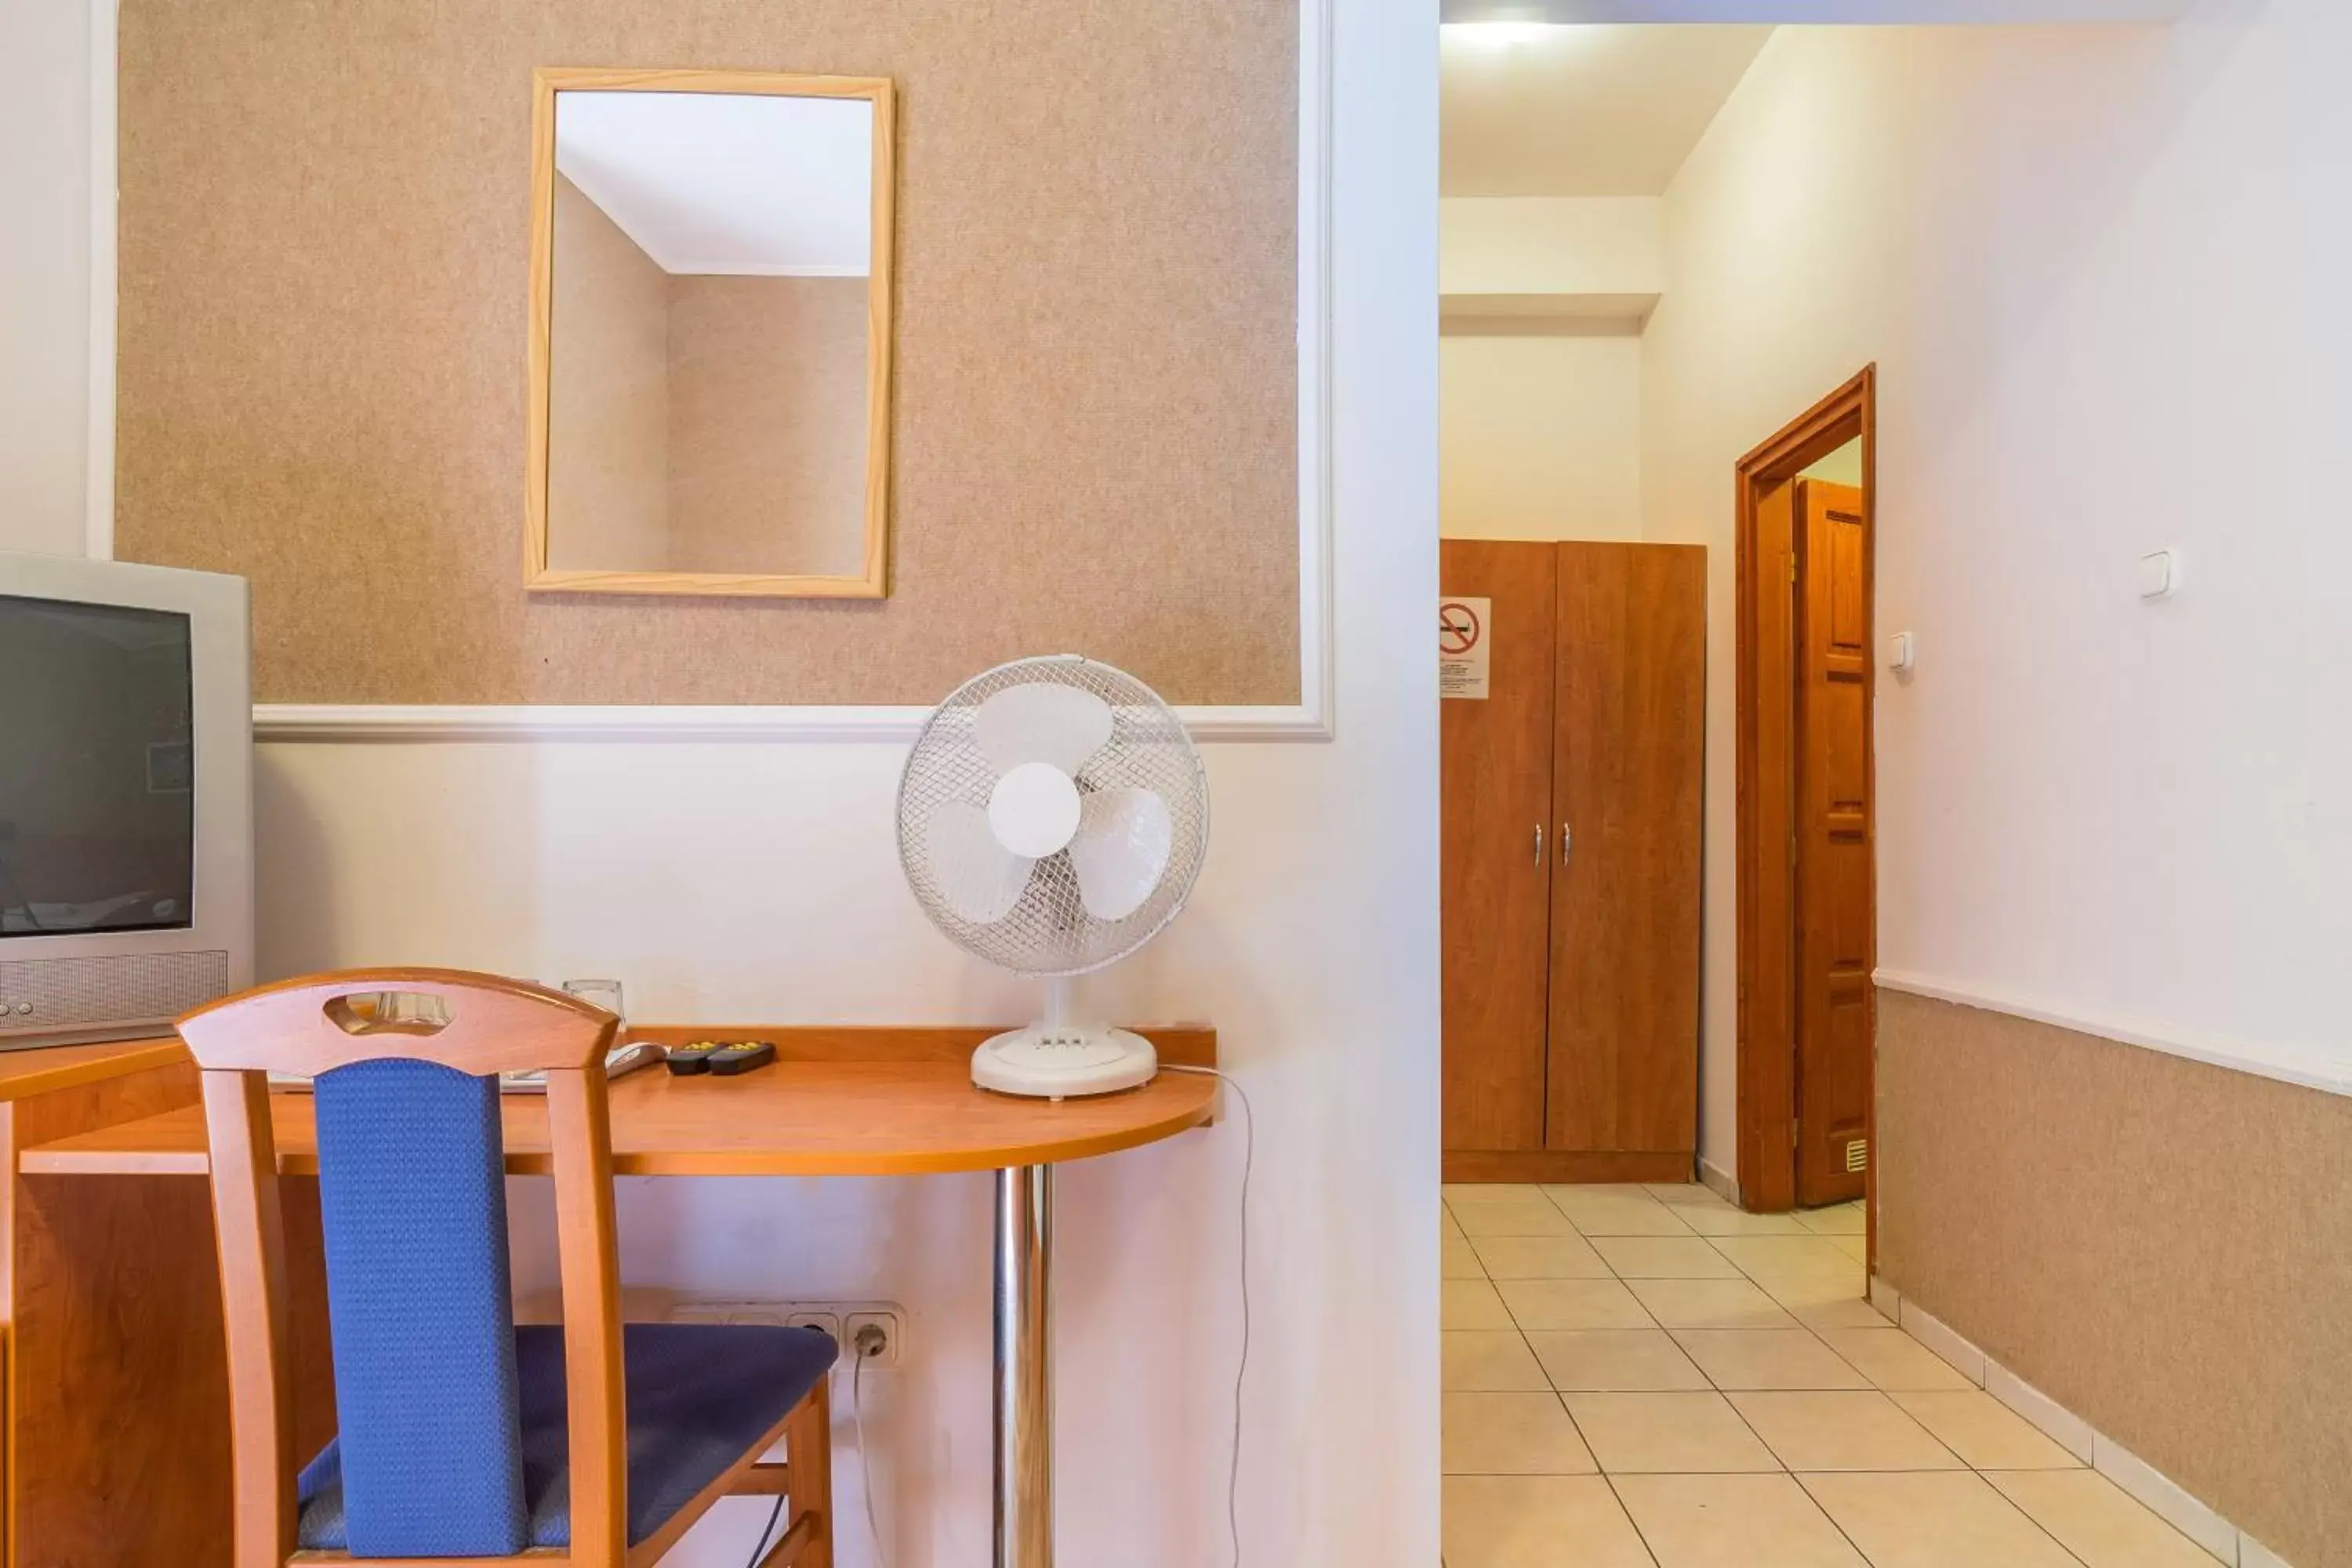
(1241, 1372)
(871, 1342)
(759, 1547)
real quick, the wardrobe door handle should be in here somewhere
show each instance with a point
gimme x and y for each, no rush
(1539, 844)
(1565, 840)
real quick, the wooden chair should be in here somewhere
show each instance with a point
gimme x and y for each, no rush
(462, 1438)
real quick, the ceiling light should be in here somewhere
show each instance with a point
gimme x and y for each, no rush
(1500, 35)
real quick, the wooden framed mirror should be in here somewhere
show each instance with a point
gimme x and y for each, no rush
(710, 334)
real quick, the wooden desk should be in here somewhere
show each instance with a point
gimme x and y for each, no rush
(95, 1287)
(125, 1404)
(871, 1115)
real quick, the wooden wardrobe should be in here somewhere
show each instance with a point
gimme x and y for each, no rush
(1570, 893)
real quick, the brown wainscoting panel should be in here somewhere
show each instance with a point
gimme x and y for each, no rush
(2164, 1247)
(324, 268)
(1568, 1166)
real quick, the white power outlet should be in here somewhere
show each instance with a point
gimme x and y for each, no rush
(842, 1320)
(893, 1328)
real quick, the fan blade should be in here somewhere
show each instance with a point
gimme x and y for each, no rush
(978, 878)
(1042, 723)
(1125, 838)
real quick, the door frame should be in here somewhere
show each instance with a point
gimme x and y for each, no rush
(1767, 1046)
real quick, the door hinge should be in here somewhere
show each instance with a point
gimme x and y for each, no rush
(1792, 571)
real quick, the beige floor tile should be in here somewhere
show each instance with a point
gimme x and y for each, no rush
(1787, 1257)
(1664, 1258)
(1457, 1259)
(1538, 1521)
(2097, 1521)
(1553, 1190)
(1851, 1431)
(1822, 1301)
(1447, 1222)
(1854, 1246)
(1893, 1359)
(1512, 1435)
(1839, 1219)
(1539, 1258)
(1615, 1361)
(1605, 1214)
(1551, 1304)
(1472, 1304)
(1667, 1434)
(1733, 1521)
(1982, 1430)
(1693, 1195)
(1480, 1360)
(1725, 1220)
(1458, 1193)
(1951, 1520)
(1528, 1216)
(1710, 1304)
(1767, 1358)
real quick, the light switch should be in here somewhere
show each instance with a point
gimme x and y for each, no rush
(2160, 575)
(1902, 653)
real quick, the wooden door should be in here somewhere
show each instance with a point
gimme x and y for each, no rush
(1495, 886)
(1768, 830)
(1626, 781)
(1834, 825)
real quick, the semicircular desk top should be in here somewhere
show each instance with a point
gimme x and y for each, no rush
(836, 1102)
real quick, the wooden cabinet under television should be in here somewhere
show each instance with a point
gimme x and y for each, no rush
(1571, 834)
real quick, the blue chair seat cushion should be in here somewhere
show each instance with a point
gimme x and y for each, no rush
(700, 1396)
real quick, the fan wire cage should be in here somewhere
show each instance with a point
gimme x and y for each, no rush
(1048, 932)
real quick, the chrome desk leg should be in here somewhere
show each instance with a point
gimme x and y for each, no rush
(1025, 1383)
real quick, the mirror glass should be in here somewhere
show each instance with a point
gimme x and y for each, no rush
(714, 315)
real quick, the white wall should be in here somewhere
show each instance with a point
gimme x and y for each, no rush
(1540, 436)
(759, 882)
(1549, 245)
(44, 275)
(2102, 274)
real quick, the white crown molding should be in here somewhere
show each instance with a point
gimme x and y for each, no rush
(1310, 719)
(299, 724)
(2305, 1068)
(766, 270)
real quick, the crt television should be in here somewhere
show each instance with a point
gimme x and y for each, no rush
(126, 796)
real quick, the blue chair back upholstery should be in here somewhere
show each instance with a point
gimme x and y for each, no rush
(412, 1189)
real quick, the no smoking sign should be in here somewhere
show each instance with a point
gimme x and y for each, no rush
(1465, 634)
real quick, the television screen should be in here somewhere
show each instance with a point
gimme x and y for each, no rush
(96, 782)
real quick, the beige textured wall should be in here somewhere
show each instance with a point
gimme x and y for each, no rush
(608, 455)
(2164, 1247)
(324, 258)
(767, 431)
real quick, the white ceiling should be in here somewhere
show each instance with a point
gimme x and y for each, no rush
(1532, 110)
(728, 183)
(1913, 13)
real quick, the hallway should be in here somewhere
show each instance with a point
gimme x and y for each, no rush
(1648, 1377)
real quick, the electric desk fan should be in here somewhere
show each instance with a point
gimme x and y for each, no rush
(1052, 817)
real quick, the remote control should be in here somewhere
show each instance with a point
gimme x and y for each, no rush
(741, 1056)
(686, 1060)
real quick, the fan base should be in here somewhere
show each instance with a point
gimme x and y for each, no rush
(1062, 1061)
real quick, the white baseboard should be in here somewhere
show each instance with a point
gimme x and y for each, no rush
(2159, 1493)
(1719, 1182)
